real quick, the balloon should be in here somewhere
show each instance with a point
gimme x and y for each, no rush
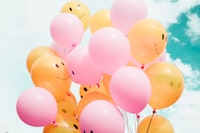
(167, 84)
(50, 72)
(66, 30)
(66, 107)
(101, 116)
(130, 89)
(85, 89)
(100, 20)
(148, 39)
(79, 9)
(36, 107)
(38, 52)
(62, 52)
(109, 49)
(156, 124)
(81, 68)
(106, 82)
(93, 96)
(66, 124)
(124, 13)
(160, 58)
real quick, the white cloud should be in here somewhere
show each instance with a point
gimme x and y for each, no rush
(194, 27)
(166, 11)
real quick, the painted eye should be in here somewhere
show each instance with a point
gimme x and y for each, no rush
(62, 63)
(84, 131)
(73, 73)
(70, 9)
(64, 111)
(57, 65)
(171, 84)
(91, 131)
(85, 89)
(79, 5)
(163, 36)
(75, 126)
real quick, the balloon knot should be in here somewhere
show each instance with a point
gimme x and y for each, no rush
(138, 116)
(154, 111)
(98, 85)
(54, 123)
(142, 67)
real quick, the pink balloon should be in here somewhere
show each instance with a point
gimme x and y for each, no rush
(66, 30)
(162, 57)
(62, 52)
(124, 13)
(130, 88)
(36, 107)
(101, 116)
(81, 68)
(109, 49)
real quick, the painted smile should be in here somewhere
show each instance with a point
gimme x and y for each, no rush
(157, 52)
(81, 16)
(61, 78)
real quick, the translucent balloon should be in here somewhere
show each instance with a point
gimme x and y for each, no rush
(38, 52)
(50, 72)
(167, 84)
(81, 68)
(148, 39)
(109, 49)
(79, 9)
(36, 107)
(66, 30)
(155, 124)
(100, 20)
(124, 13)
(101, 116)
(130, 89)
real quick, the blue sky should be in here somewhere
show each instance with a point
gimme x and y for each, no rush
(24, 25)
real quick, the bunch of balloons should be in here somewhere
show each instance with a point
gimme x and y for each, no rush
(122, 68)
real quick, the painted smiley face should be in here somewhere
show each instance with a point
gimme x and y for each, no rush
(80, 10)
(51, 73)
(148, 39)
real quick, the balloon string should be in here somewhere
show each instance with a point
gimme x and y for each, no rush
(137, 122)
(154, 111)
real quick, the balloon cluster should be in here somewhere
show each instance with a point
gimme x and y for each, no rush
(123, 68)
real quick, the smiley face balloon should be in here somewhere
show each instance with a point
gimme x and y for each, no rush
(148, 39)
(80, 10)
(167, 84)
(50, 72)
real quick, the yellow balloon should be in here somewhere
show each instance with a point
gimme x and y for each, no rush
(38, 52)
(167, 84)
(99, 20)
(67, 124)
(155, 124)
(50, 72)
(148, 39)
(80, 10)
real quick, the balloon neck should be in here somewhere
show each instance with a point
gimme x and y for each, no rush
(154, 111)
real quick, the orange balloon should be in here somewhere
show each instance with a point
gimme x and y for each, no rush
(70, 97)
(91, 97)
(167, 84)
(66, 107)
(106, 82)
(100, 20)
(67, 124)
(85, 89)
(50, 72)
(38, 52)
(148, 39)
(155, 124)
